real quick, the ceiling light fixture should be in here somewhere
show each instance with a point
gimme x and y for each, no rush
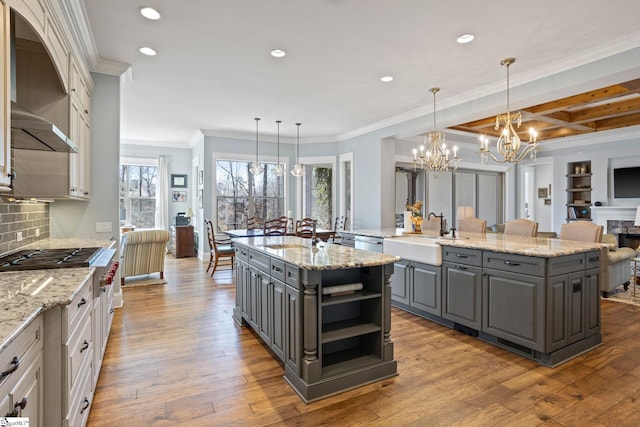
(435, 157)
(465, 38)
(279, 169)
(150, 13)
(256, 168)
(298, 170)
(147, 51)
(386, 79)
(509, 143)
(278, 53)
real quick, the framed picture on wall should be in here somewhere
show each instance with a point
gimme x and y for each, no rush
(179, 196)
(543, 193)
(178, 181)
(547, 201)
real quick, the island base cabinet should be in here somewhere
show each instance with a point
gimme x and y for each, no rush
(462, 295)
(293, 332)
(416, 287)
(513, 308)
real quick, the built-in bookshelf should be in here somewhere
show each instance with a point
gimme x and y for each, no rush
(579, 191)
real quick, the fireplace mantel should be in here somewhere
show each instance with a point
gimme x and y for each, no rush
(602, 214)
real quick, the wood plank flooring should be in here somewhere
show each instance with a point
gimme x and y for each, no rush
(175, 357)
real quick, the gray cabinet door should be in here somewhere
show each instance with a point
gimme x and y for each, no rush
(425, 288)
(246, 291)
(253, 298)
(293, 329)
(557, 311)
(513, 307)
(239, 277)
(592, 305)
(278, 334)
(462, 294)
(576, 309)
(266, 308)
(400, 283)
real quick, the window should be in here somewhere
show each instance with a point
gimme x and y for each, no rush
(237, 189)
(318, 200)
(138, 192)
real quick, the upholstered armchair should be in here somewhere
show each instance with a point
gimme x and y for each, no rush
(615, 265)
(472, 225)
(142, 252)
(521, 227)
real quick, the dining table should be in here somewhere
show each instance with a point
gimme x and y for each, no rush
(321, 233)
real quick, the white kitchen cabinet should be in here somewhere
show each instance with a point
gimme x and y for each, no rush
(80, 133)
(21, 385)
(5, 96)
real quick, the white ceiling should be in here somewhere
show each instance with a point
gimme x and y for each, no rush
(213, 70)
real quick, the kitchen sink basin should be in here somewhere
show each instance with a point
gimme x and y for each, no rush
(286, 246)
(414, 248)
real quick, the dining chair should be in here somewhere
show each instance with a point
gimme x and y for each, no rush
(581, 231)
(306, 228)
(220, 248)
(254, 223)
(521, 227)
(338, 227)
(276, 226)
(472, 225)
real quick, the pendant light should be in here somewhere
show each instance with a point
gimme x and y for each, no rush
(256, 168)
(279, 169)
(298, 170)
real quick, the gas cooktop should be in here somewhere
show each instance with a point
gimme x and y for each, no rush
(36, 259)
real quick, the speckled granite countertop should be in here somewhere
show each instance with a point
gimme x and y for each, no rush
(300, 252)
(20, 305)
(532, 246)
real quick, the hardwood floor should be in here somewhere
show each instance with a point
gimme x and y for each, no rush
(176, 357)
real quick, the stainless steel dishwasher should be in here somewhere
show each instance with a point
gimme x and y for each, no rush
(373, 244)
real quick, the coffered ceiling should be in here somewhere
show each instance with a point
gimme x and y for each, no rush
(598, 110)
(213, 70)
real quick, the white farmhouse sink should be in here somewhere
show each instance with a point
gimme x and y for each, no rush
(414, 248)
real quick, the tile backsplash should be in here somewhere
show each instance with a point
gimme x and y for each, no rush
(28, 218)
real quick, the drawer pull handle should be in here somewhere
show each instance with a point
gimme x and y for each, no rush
(278, 269)
(15, 363)
(512, 263)
(86, 405)
(82, 302)
(462, 256)
(593, 259)
(84, 346)
(17, 408)
(460, 267)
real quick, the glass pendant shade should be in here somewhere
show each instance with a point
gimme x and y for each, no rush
(256, 168)
(279, 169)
(298, 169)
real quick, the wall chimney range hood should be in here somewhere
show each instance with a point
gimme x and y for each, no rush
(32, 132)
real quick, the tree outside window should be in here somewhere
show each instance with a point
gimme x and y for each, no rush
(138, 195)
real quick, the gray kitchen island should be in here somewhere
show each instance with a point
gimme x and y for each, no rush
(324, 310)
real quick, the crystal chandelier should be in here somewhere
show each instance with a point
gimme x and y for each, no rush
(298, 170)
(509, 145)
(256, 168)
(433, 155)
(279, 169)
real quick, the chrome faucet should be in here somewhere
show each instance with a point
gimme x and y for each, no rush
(443, 226)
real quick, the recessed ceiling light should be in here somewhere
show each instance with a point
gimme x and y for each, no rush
(147, 51)
(278, 53)
(150, 13)
(465, 38)
(386, 79)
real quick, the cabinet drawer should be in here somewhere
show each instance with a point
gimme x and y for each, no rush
(514, 263)
(277, 269)
(14, 356)
(80, 401)
(348, 239)
(78, 349)
(242, 253)
(566, 264)
(292, 275)
(462, 256)
(261, 261)
(82, 303)
(592, 260)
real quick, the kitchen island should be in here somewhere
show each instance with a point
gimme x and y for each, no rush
(536, 297)
(324, 310)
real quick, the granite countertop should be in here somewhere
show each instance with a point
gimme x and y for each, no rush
(531, 246)
(325, 256)
(21, 304)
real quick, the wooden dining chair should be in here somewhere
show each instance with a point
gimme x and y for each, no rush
(306, 228)
(254, 223)
(521, 227)
(276, 226)
(219, 249)
(338, 228)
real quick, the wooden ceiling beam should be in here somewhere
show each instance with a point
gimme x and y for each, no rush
(610, 109)
(618, 122)
(586, 98)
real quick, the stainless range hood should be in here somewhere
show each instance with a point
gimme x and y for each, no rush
(32, 132)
